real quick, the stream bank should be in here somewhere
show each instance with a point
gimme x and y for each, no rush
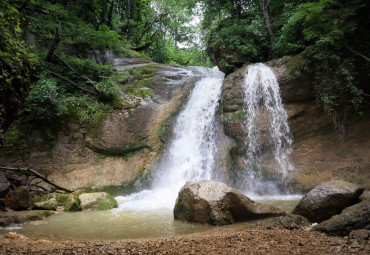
(257, 240)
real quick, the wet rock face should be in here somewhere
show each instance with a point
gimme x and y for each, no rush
(351, 218)
(318, 153)
(216, 203)
(327, 199)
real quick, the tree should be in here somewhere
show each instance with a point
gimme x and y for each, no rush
(265, 6)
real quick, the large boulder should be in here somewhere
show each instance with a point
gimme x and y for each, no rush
(18, 199)
(352, 218)
(327, 199)
(216, 203)
(97, 201)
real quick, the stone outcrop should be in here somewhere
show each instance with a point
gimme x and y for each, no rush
(18, 199)
(4, 184)
(319, 154)
(20, 217)
(97, 201)
(351, 218)
(121, 146)
(216, 203)
(327, 199)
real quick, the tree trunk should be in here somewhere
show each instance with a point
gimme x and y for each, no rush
(54, 45)
(265, 11)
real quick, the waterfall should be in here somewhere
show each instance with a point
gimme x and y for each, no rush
(268, 139)
(191, 154)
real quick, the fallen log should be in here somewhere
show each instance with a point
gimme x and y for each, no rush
(35, 173)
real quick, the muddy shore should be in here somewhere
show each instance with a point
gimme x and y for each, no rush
(275, 240)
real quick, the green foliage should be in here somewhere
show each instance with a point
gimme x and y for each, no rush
(14, 142)
(324, 31)
(44, 103)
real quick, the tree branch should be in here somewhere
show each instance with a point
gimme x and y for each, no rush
(33, 172)
(358, 53)
(72, 82)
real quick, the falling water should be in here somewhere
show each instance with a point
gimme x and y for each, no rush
(191, 154)
(268, 134)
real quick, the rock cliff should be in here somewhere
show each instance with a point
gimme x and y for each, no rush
(319, 153)
(123, 143)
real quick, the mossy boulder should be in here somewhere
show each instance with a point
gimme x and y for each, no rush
(49, 201)
(50, 204)
(72, 203)
(97, 201)
(18, 199)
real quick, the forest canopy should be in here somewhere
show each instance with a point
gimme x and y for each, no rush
(330, 37)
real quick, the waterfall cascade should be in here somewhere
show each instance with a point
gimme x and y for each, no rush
(191, 154)
(267, 131)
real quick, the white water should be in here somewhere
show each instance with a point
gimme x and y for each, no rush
(268, 134)
(191, 154)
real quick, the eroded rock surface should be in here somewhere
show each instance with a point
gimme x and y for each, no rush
(328, 199)
(216, 203)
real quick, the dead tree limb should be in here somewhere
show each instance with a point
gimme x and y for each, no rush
(358, 53)
(33, 172)
(142, 47)
(72, 82)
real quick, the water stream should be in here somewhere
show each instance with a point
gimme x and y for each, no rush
(268, 134)
(191, 154)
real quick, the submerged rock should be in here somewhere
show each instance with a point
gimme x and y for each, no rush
(97, 201)
(352, 218)
(327, 199)
(216, 203)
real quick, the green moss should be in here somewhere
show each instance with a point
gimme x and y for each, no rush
(106, 204)
(72, 202)
(45, 214)
(126, 151)
(115, 190)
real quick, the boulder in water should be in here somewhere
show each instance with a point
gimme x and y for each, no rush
(97, 201)
(216, 203)
(327, 199)
(50, 204)
(352, 218)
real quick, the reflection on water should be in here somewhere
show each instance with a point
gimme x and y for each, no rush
(126, 224)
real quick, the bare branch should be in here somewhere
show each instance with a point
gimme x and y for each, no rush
(33, 172)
